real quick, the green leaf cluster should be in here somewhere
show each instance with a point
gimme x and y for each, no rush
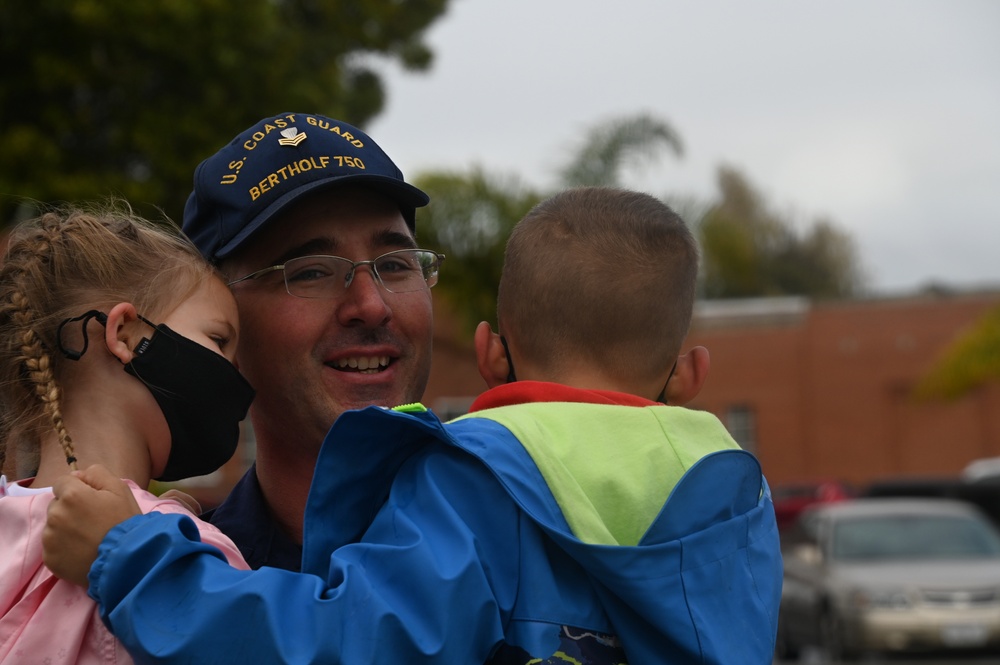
(114, 97)
(609, 147)
(972, 360)
(469, 219)
(750, 250)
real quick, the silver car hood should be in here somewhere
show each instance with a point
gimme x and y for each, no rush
(971, 574)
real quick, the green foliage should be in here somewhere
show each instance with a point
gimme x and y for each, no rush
(749, 250)
(469, 219)
(970, 361)
(608, 147)
(120, 97)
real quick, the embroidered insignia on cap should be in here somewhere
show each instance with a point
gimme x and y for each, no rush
(291, 136)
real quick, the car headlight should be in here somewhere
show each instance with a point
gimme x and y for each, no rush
(886, 599)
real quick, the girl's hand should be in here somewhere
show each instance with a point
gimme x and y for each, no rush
(86, 506)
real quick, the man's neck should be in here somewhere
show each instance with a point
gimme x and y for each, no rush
(285, 479)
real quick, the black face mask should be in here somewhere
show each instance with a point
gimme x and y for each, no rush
(201, 394)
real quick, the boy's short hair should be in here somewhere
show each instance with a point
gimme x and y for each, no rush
(603, 274)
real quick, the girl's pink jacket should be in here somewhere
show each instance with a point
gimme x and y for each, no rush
(47, 620)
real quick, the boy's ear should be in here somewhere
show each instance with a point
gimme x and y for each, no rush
(689, 376)
(490, 356)
(116, 334)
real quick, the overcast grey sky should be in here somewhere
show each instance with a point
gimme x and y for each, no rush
(882, 115)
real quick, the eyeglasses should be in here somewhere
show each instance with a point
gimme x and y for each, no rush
(401, 271)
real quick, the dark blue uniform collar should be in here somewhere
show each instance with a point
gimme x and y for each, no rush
(246, 519)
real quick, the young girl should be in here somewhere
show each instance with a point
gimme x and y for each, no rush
(116, 347)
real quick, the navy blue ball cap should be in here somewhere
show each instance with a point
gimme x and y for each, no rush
(270, 165)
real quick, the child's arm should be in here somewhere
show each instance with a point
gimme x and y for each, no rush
(415, 590)
(89, 503)
(86, 505)
(176, 502)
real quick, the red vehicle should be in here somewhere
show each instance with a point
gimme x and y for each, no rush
(791, 499)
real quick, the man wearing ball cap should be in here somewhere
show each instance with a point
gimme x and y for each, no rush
(302, 185)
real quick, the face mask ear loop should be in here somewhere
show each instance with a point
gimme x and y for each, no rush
(663, 393)
(510, 362)
(86, 317)
(146, 321)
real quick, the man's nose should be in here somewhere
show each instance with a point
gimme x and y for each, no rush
(364, 299)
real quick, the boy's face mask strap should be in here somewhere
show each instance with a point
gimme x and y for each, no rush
(663, 393)
(510, 361)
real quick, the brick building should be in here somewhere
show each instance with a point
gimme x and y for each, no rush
(825, 390)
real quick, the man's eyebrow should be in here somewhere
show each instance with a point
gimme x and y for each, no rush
(308, 248)
(387, 238)
(379, 240)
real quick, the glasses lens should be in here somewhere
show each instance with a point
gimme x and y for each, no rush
(407, 270)
(316, 276)
(327, 276)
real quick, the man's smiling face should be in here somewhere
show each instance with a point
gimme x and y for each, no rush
(311, 359)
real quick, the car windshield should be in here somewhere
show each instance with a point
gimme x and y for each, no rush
(914, 537)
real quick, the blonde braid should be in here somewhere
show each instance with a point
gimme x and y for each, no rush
(38, 365)
(26, 267)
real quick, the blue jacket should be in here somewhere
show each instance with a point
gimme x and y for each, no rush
(431, 543)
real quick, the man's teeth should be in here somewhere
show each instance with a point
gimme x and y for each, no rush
(364, 364)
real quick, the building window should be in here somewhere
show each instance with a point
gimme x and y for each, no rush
(741, 421)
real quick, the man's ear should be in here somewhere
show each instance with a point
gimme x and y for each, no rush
(689, 376)
(116, 332)
(490, 356)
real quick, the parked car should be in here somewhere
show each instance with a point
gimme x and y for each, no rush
(985, 470)
(792, 498)
(890, 575)
(974, 486)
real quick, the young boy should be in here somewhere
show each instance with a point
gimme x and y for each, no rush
(570, 517)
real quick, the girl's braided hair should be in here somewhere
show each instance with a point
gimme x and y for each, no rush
(58, 266)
